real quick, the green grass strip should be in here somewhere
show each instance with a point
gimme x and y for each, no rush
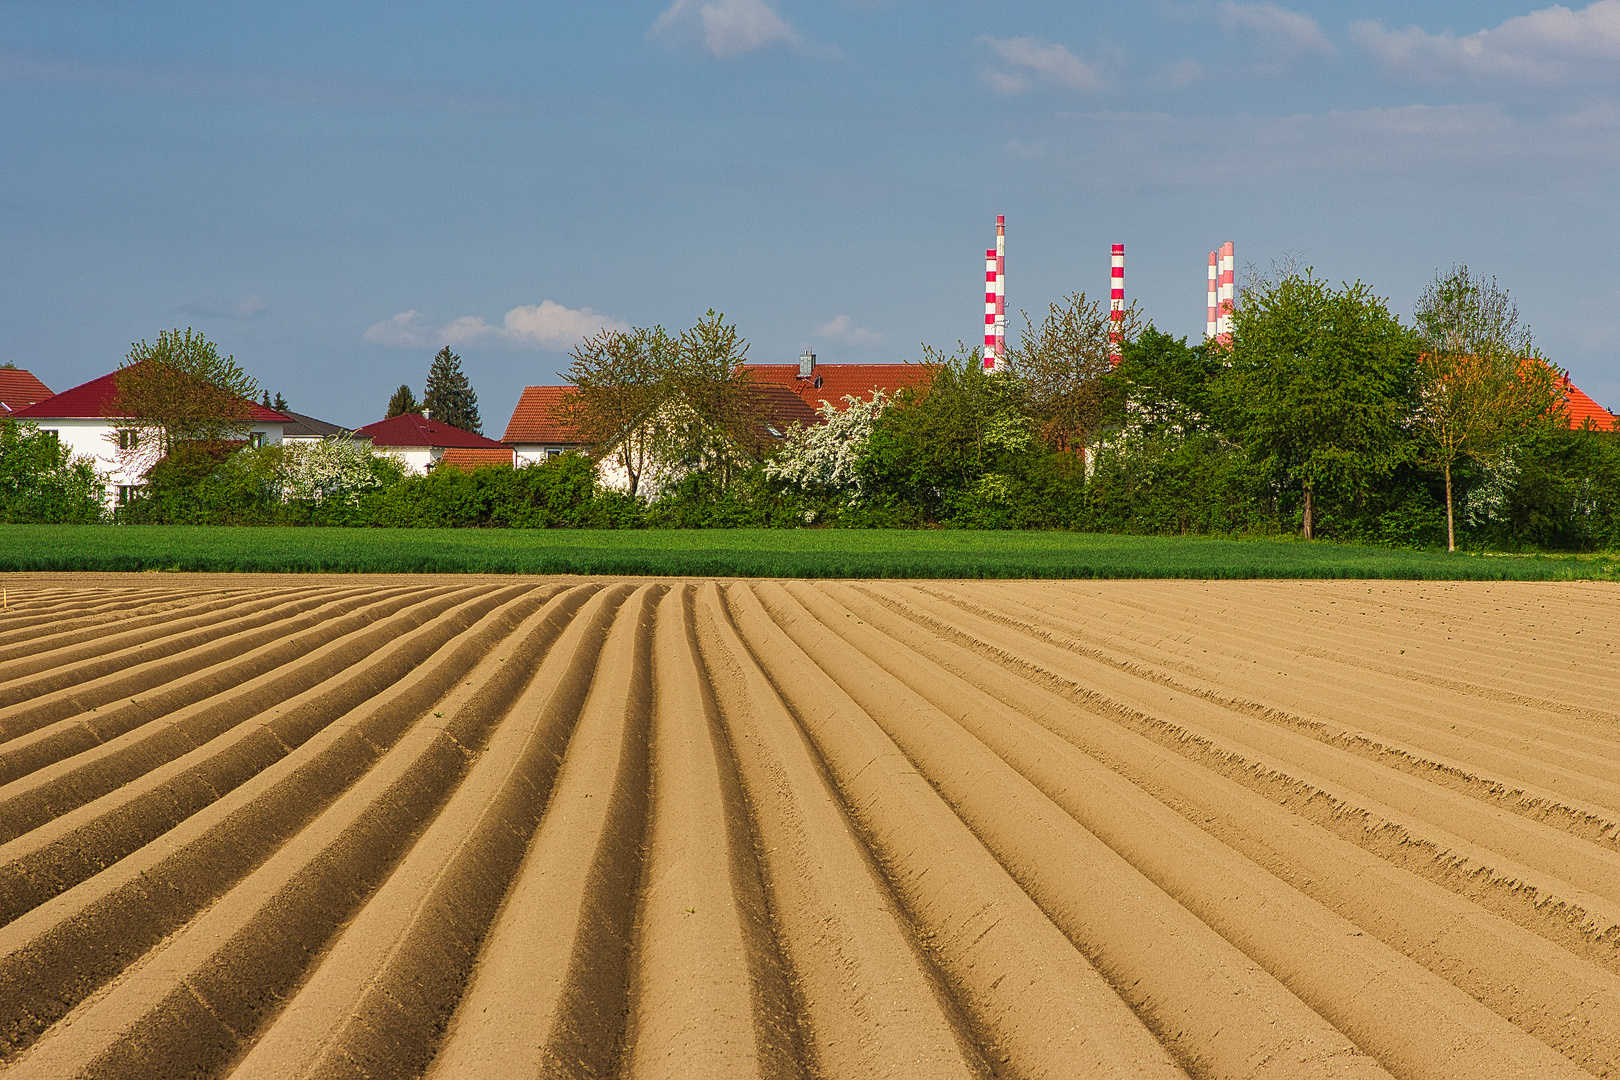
(841, 553)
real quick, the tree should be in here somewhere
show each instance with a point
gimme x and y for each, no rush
(1064, 365)
(622, 388)
(280, 404)
(828, 455)
(41, 480)
(401, 403)
(180, 390)
(1320, 385)
(448, 396)
(1481, 383)
(713, 420)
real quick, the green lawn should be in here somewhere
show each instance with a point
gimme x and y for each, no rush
(748, 553)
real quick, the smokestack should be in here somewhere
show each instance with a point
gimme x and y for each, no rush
(807, 364)
(1225, 296)
(1212, 306)
(1116, 306)
(990, 310)
(1001, 289)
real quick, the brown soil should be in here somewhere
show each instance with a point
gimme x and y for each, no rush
(283, 826)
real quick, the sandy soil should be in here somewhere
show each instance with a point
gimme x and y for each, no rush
(282, 826)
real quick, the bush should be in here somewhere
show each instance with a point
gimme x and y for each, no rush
(41, 482)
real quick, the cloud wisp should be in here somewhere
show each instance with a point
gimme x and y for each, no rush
(1553, 46)
(844, 331)
(1031, 58)
(1285, 35)
(726, 28)
(547, 325)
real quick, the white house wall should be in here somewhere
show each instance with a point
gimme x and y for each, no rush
(97, 439)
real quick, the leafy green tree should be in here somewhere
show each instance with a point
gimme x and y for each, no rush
(401, 403)
(180, 389)
(448, 396)
(961, 442)
(622, 393)
(713, 422)
(41, 481)
(1481, 383)
(1063, 366)
(1320, 386)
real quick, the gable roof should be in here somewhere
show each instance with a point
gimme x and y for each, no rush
(537, 418)
(300, 426)
(19, 389)
(831, 383)
(1581, 408)
(93, 401)
(414, 429)
(780, 408)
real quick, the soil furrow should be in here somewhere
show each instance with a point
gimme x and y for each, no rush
(390, 984)
(78, 844)
(1372, 992)
(710, 997)
(868, 999)
(166, 676)
(299, 846)
(110, 748)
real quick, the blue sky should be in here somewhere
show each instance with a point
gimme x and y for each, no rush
(332, 191)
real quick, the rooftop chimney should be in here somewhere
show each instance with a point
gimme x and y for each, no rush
(807, 364)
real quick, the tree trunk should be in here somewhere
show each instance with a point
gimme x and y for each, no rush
(1451, 530)
(1307, 528)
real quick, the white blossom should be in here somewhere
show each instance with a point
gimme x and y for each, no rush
(336, 468)
(826, 454)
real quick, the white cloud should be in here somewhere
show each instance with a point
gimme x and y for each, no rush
(1180, 75)
(1287, 34)
(245, 308)
(726, 27)
(843, 330)
(1047, 59)
(1551, 46)
(546, 325)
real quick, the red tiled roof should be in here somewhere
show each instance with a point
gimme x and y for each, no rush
(537, 419)
(19, 389)
(782, 408)
(413, 429)
(93, 400)
(1582, 408)
(838, 381)
(470, 457)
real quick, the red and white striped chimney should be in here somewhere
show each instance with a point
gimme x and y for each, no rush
(1001, 290)
(990, 310)
(1226, 296)
(1116, 306)
(1212, 306)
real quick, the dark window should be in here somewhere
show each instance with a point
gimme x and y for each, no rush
(126, 492)
(128, 438)
(256, 440)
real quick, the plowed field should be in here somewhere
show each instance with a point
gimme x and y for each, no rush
(676, 829)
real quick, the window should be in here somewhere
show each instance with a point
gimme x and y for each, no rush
(126, 493)
(551, 453)
(128, 438)
(256, 440)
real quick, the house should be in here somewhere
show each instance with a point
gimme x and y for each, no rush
(1581, 408)
(87, 421)
(306, 429)
(819, 384)
(19, 389)
(422, 443)
(537, 430)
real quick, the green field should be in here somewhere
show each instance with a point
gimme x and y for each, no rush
(749, 553)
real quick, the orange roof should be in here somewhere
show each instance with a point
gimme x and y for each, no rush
(19, 389)
(471, 457)
(1582, 408)
(537, 419)
(831, 383)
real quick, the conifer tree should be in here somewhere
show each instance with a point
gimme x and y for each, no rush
(448, 396)
(403, 401)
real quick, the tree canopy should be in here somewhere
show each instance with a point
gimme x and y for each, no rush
(179, 390)
(448, 396)
(403, 401)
